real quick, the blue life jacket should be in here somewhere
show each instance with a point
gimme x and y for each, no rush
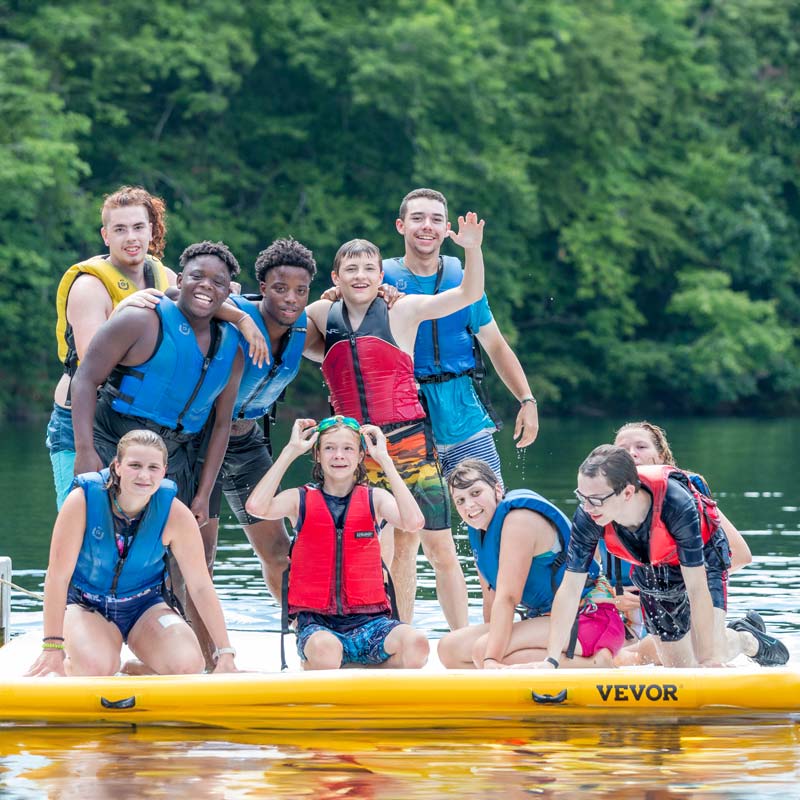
(100, 569)
(177, 386)
(261, 387)
(546, 570)
(443, 346)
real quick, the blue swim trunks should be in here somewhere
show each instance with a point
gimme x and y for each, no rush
(124, 612)
(61, 444)
(362, 644)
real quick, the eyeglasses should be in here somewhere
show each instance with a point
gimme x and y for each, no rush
(593, 500)
(329, 422)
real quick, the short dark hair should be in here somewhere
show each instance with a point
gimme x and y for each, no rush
(218, 249)
(614, 463)
(430, 194)
(356, 247)
(285, 253)
(470, 471)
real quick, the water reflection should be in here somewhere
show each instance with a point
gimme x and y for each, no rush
(642, 761)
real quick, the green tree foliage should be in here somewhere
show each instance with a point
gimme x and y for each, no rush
(636, 161)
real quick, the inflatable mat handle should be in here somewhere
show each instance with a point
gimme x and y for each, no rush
(126, 702)
(549, 698)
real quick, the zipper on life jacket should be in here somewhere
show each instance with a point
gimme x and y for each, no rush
(259, 386)
(216, 335)
(339, 558)
(117, 572)
(362, 395)
(434, 327)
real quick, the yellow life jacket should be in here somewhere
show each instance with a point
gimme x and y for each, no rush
(118, 285)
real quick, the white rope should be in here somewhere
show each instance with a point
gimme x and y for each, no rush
(18, 588)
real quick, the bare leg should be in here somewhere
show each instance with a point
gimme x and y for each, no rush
(93, 644)
(387, 545)
(404, 573)
(456, 648)
(641, 652)
(529, 644)
(465, 648)
(270, 543)
(451, 588)
(407, 648)
(164, 642)
(322, 651)
(676, 654)
(730, 643)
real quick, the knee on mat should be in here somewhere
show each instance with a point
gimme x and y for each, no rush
(478, 651)
(189, 661)
(447, 652)
(603, 658)
(323, 651)
(415, 651)
(92, 663)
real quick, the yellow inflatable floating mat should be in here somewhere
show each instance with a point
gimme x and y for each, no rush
(399, 699)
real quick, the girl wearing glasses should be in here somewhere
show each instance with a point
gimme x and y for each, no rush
(653, 517)
(519, 540)
(107, 567)
(336, 578)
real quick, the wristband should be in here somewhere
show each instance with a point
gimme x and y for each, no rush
(52, 645)
(221, 651)
(553, 661)
(529, 399)
(53, 639)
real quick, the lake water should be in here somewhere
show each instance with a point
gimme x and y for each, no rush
(752, 466)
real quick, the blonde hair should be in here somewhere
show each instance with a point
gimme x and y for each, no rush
(142, 437)
(658, 436)
(317, 475)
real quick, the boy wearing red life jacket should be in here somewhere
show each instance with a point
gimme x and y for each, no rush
(652, 517)
(336, 587)
(368, 366)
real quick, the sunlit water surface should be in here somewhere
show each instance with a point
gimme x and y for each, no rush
(752, 467)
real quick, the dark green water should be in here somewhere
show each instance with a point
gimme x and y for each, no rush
(752, 466)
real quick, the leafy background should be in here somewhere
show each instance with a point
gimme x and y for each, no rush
(636, 162)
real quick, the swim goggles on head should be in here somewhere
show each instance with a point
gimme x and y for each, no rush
(329, 422)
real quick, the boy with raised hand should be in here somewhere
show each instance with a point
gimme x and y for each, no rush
(369, 368)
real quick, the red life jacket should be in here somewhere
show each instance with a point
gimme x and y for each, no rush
(663, 547)
(369, 377)
(337, 571)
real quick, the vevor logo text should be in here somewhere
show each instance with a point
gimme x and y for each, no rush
(623, 692)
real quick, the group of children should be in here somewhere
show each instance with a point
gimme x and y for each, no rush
(176, 414)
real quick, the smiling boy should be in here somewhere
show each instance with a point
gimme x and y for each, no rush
(165, 369)
(369, 368)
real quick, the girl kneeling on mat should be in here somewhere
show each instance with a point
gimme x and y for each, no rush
(107, 568)
(336, 580)
(520, 540)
